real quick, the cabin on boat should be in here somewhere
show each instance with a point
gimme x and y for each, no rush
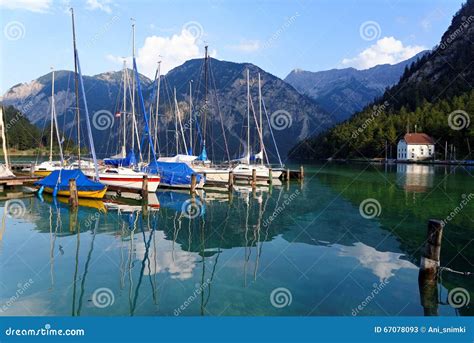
(415, 147)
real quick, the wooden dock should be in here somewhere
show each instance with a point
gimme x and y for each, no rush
(18, 181)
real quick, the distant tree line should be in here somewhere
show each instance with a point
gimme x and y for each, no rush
(21, 134)
(369, 133)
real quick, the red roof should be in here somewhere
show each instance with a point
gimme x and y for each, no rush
(418, 138)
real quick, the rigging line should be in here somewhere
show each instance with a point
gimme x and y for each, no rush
(219, 111)
(442, 269)
(259, 131)
(271, 132)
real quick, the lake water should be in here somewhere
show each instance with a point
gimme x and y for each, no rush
(294, 250)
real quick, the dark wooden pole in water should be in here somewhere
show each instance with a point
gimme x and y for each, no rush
(301, 173)
(231, 181)
(145, 187)
(254, 178)
(270, 176)
(73, 196)
(192, 190)
(429, 265)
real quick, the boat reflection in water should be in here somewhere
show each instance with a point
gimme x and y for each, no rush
(217, 253)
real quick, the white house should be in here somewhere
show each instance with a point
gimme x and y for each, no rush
(415, 147)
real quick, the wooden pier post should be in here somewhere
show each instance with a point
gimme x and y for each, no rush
(73, 196)
(288, 174)
(254, 178)
(192, 190)
(429, 266)
(270, 176)
(301, 173)
(231, 181)
(145, 187)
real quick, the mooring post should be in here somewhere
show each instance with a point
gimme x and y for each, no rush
(231, 181)
(254, 178)
(301, 173)
(270, 176)
(73, 196)
(429, 266)
(192, 190)
(288, 174)
(145, 187)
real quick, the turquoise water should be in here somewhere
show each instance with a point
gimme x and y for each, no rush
(293, 250)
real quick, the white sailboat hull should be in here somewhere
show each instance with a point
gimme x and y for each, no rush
(262, 172)
(126, 178)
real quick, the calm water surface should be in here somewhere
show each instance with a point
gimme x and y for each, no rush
(293, 250)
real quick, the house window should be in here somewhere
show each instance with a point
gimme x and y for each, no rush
(422, 151)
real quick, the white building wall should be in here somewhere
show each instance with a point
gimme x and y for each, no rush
(401, 150)
(414, 152)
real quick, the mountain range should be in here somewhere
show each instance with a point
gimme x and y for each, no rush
(290, 110)
(343, 92)
(226, 109)
(434, 95)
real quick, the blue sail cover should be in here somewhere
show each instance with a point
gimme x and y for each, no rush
(128, 161)
(60, 178)
(203, 155)
(172, 173)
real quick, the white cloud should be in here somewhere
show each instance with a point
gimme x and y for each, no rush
(102, 5)
(171, 51)
(246, 46)
(39, 6)
(386, 50)
(383, 264)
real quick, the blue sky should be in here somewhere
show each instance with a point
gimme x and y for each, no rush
(276, 35)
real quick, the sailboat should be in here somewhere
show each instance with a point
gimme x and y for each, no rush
(5, 171)
(199, 164)
(46, 167)
(119, 172)
(57, 182)
(244, 169)
(174, 173)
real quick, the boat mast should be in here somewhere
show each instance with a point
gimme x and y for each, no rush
(206, 58)
(155, 131)
(260, 113)
(176, 123)
(124, 111)
(4, 142)
(133, 86)
(57, 128)
(248, 117)
(190, 118)
(52, 113)
(76, 91)
(88, 123)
